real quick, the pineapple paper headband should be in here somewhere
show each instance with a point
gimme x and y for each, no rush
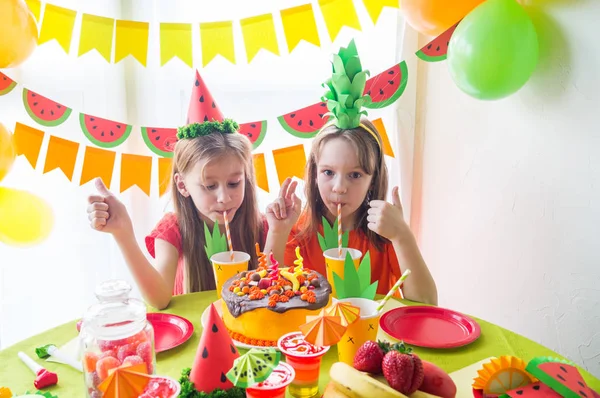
(345, 96)
(204, 116)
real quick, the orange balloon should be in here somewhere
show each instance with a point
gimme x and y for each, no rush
(7, 151)
(433, 17)
(18, 33)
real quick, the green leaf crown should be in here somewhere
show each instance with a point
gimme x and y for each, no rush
(194, 130)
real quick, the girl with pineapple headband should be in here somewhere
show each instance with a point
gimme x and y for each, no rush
(346, 166)
(212, 173)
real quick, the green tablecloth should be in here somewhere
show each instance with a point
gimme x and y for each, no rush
(494, 341)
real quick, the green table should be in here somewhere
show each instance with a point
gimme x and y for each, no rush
(494, 341)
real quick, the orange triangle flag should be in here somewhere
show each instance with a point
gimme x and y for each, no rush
(260, 171)
(323, 330)
(97, 163)
(28, 142)
(61, 154)
(290, 162)
(136, 170)
(165, 165)
(385, 140)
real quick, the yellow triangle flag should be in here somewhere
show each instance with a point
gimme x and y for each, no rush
(290, 162)
(28, 142)
(132, 39)
(217, 38)
(96, 33)
(136, 170)
(374, 7)
(385, 140)
(299, 24)
(259, 33)
(61, 154)
(260, 171)
(339, 13)
(165, 166)
(35, 6)
(176, 41)
(97, 162)
(58, 24)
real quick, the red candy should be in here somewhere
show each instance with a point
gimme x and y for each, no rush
(159, 388)
(125, 351)
(105, 364)
(132, 360)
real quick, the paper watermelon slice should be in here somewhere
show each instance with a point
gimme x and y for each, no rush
(215, 356)
(387, 87)
(562, 376)
(437, 49)
(532, 390)
(102, 132)
(6, 84)
(255, 131)
(161, 141)
(305, 122)
(43, 110)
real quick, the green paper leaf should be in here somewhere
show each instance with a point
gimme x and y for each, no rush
(215, 241)
(346, 100)
(342, 85)
(351, 282)
(338, 65)
(345, 236)
(340, 286)
(358, 84)
(364, 271)
(348, 52)
(332, 105)
(344, 122)
(322, 242)
(328, 96)
(353, 67)
(370, 291)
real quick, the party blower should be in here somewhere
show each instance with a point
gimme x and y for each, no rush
(44, 378)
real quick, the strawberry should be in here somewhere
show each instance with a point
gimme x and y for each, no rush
(369, 357)
(402, 369)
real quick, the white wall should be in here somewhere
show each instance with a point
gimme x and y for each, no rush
(506, 197)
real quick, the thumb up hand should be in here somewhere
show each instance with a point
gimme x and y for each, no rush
(387, 219)
(106, 213)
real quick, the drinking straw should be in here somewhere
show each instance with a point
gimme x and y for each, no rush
(228, 232)
(393, 289)
(339, 217)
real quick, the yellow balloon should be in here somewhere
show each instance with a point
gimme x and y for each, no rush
(7, 151)
(433, 17)
(25, 219)
(18, 33)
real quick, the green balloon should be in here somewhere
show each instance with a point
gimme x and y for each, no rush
(494, 50)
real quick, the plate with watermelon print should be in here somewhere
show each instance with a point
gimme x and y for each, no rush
(430, 327)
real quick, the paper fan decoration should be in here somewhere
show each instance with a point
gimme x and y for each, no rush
(126, 382)
(253, 367)
(347, 312)
(323, 330)
(501, 375)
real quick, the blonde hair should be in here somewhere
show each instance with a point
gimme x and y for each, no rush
(371, 160)
(246, 226)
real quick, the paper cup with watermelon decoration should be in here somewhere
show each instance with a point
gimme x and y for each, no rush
(329, 244)
(43, 110)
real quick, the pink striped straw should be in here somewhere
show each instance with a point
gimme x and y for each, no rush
(339, 217)
(228, 232)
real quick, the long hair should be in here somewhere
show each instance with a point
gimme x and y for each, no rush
(246, 226)
(371, 160)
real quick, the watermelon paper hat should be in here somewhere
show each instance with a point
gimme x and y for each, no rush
(345, 96)
(215, 356)
(204, 116)
(356, 282)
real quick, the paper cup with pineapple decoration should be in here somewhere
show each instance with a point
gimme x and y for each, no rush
(356, 291)
(224, 266)
(329, 244)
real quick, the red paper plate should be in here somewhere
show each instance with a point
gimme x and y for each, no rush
(169, 330)
(431, 327)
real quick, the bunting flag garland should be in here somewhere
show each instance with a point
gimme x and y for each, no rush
(216, 38)
(384, 88)
(437, 49)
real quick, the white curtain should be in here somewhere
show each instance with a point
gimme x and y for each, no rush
(52, 283)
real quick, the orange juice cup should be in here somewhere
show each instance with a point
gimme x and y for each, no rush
(305, 358)
(275, 385)
(364, 329)
(335, 264)
(224, 268)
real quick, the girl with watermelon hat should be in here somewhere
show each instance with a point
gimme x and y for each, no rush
(346, 167)
(212, 173)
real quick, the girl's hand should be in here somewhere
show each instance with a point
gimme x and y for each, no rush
(283, 213)
(106, 213)
(387, 219)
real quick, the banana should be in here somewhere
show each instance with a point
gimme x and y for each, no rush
(331, 391)
(356, 384)
(290, 277)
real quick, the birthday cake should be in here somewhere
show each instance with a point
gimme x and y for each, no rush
(261, 305)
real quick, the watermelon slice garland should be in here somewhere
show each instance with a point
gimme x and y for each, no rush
(6, 84)
(103, 132)
(161, 141)
(43, 110)
(255, 131)
(437, 49)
